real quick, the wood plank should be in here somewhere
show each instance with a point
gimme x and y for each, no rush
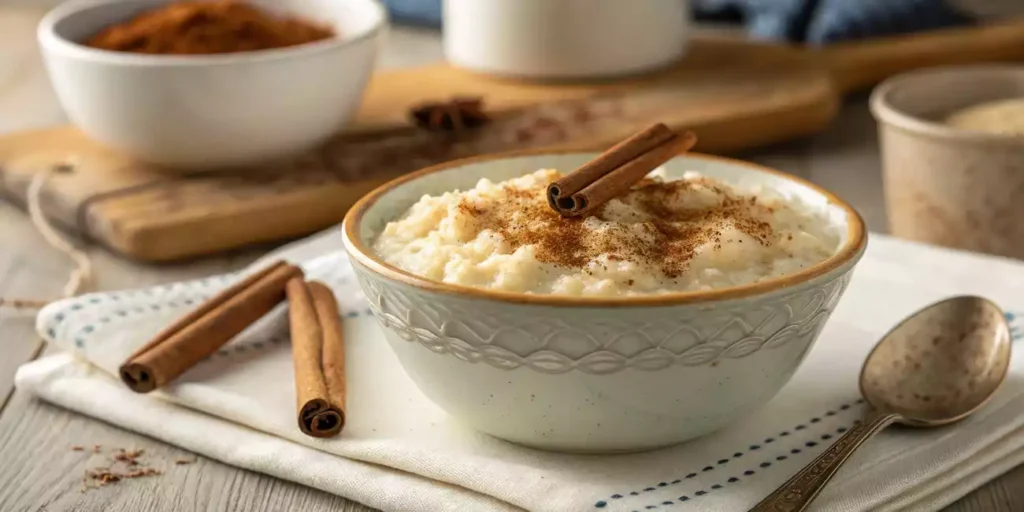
(18, 338)
(41, 472)
(1004, 494)
(28, 271)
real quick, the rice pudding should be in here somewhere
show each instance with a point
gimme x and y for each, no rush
(662, 236)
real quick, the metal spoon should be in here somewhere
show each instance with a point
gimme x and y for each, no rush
(936, 367)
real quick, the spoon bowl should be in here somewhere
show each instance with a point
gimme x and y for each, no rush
(940, 364)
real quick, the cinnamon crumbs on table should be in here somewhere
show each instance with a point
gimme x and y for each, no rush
(207, 27)
(123, 465)
(103, 476)
(127, 457)
(668, 239)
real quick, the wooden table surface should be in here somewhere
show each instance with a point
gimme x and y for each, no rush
(38, 469)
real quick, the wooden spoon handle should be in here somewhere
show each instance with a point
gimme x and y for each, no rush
(798, 492)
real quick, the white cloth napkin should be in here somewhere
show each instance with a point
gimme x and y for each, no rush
(401, 452)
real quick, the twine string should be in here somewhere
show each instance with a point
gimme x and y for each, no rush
(82, 275)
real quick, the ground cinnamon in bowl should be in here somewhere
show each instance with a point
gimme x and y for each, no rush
(207, 27)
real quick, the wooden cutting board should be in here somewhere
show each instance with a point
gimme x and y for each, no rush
(735, 94)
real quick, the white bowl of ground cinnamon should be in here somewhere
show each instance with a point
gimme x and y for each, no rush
(660, 315)
(211, 84)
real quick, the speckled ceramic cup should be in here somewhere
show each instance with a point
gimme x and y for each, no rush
(948, 186)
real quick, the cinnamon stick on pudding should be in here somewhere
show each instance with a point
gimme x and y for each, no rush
(318, 354)
(200, 333)
(613, 172)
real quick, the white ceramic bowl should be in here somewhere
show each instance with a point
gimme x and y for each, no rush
(597, 374)
(561, 39)
(210, 111)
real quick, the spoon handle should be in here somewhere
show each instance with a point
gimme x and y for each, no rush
(797, 493)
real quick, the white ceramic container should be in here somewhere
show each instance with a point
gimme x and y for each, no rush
(565, 38)
(210, 111)
(597, 374)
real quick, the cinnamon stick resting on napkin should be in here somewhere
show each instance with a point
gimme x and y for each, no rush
(319, 357)
(200, 333)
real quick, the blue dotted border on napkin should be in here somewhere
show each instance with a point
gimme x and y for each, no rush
(795, 440)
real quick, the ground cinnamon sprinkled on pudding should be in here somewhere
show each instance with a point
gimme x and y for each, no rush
(662, 236)
(658, 232)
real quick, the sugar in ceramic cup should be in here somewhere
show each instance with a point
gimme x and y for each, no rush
(598, 374)
(945, 184)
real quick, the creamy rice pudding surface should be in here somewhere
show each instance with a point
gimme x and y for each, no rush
(662, 236)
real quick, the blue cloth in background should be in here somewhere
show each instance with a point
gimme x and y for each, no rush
(828, 21)
(415, 12)
(800, 21)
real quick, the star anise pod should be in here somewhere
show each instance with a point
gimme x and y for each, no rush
(456, 115)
